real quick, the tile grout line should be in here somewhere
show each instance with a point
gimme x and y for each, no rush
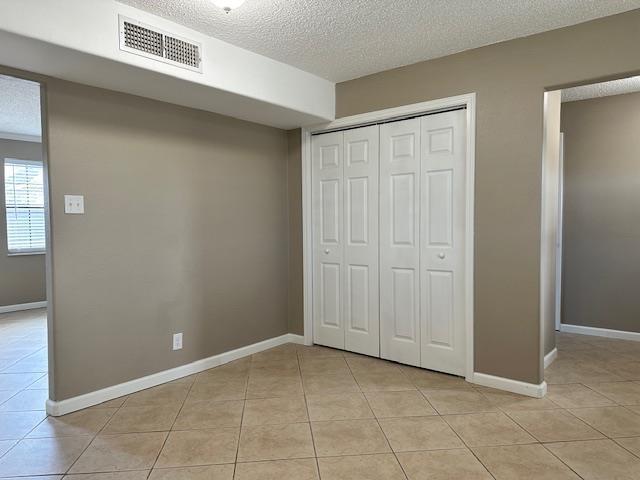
(378, 421)
(531, 433)
(4, 370)
(561, 461)
(603, 394)
(587, 424)
(628, 450)
(244, 406)
(468, 448)
(306, 404)
(23, 389)
(25, 436)
(184, 400)
(93, 437)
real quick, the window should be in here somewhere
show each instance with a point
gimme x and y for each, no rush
(24, 201)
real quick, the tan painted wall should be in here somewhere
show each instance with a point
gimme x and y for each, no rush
(294, 189)
(22, 277)
(185, 230)
(509, 79)
(601, 254)
(550, 197)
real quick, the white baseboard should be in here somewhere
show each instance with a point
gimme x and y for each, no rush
(600, 332)
(298, 339)
(514, 386)
(109, 393)
(550, 357)
(22, 306)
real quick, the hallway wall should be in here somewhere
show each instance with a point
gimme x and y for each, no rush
(601, 224)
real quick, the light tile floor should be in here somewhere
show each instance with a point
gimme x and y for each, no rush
(305, 413)
(23, 363)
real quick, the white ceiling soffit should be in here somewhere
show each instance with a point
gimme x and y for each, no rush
(78, 40)
(341, 40)
(19, 109)
(604, 89)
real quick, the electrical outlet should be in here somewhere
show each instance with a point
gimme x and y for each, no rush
(177, 341)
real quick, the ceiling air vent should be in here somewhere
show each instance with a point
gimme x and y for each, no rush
(150, 42)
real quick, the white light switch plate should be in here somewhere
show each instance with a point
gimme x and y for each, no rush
(177, 341)
(74, 204)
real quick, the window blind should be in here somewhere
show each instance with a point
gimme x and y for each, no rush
(24, 201)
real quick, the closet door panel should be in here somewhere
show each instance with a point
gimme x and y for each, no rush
(328, 239)
(361, 297)
(389, 212)
(399, 241)
(443, 242)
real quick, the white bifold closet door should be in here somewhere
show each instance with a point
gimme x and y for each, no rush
(345, 240)
(328, 240)
(400, 241)
(389, 213)
(422, 244)
(442, 239)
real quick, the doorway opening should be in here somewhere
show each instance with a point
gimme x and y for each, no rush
(24, 360)
(590, 263)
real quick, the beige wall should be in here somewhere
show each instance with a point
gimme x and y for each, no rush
(601, 247)
(550, 205)
(509, 79)
(22, 277)
(294, 189)
(185, 230)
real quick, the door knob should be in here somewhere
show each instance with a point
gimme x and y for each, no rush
(326, 251)
(441, 255)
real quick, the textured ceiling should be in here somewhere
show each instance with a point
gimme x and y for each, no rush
(345, 39)
(19, 106)
(604, 89)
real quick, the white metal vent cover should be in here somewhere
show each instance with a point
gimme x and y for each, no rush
(147, 41)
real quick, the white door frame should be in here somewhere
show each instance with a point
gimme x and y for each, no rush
(559, 235)
(466, 100)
